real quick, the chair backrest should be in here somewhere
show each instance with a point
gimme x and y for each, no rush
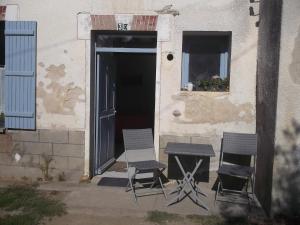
(239, 143)
(138, 145)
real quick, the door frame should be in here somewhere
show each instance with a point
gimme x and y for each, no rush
(94, 51)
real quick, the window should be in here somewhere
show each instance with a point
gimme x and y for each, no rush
(205, 61)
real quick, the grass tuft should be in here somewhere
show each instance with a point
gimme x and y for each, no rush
(23, 219)
(31, 204)
(217, 220)
(162, 217)
(206, 220)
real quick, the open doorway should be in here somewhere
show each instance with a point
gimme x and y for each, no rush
(135, 93)
(122, 91)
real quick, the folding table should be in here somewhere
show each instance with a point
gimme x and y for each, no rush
(187, 186)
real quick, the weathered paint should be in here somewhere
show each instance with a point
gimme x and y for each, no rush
(216, 110)
(56, 98)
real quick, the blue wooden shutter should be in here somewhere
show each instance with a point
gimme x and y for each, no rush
(223, 64)
(185, 69)
(20, 73)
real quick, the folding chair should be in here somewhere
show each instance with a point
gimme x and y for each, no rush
(141, 161)
(237, 145)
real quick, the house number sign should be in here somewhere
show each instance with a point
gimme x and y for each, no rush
(122, 26)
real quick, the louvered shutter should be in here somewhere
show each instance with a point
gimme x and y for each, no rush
(20, 74)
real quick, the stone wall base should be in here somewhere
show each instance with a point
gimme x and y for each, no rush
(27, 154)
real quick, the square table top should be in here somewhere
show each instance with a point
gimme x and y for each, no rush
(189, 149)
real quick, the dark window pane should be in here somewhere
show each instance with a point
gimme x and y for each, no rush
(127, 40)
(203, 66)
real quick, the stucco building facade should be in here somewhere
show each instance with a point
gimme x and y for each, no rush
(65, 61)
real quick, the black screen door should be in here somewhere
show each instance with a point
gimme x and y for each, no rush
(105, 112)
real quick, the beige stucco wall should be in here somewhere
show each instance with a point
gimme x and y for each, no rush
(286, 178)
(60, 62)
(63, 65)
(207, 112)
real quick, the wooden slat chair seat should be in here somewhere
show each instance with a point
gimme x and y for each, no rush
(236, 170)
(144, 166)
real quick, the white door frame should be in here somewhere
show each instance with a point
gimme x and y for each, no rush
(156, 51)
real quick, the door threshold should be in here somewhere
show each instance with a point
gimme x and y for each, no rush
(105, 166)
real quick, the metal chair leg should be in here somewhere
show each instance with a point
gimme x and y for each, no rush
(252, 187)
(128, 188)
(218, 189)
(134, 194)
(162, 187)
(132, 187)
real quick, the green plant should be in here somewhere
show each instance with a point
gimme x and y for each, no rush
(162, 217)
(206, 220)
(214, 84)
(23, 219)
(2, 116)
(45, 167)
(62, 176)
(2, 120)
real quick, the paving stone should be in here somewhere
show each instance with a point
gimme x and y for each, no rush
(70, 175)
(32, 173)
(214, 140)
(163, 157)
(6, 159)
(5, 138)
(25, 160)
(76, 163)
(6, 146)
(29, 161)
(37, 148)
(68, 150)
(54, 136)
(11, 171)
(32, 136)
(76, 137)
(200, 140)
(164, 139)
(60, 162)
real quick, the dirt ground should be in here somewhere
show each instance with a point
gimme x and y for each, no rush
(90, 204)
(79, 219)
(83, 219)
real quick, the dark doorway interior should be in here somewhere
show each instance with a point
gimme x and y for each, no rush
(135, 93)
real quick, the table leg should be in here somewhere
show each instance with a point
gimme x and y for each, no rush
(194, 196)
(188, 186)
